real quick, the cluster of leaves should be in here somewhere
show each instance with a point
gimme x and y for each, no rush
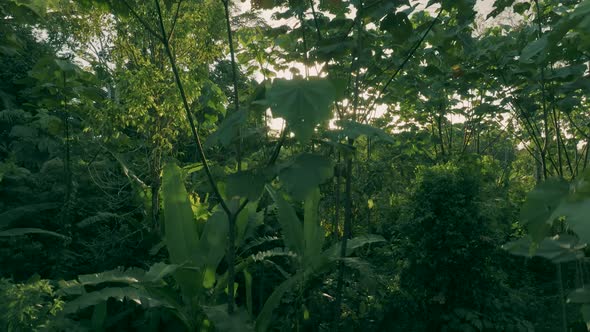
(107, 105)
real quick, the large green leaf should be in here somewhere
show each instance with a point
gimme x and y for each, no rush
(353, 130)
(247, 184)
(227, 130)
(212, 245)
(540, 205)
(303, 174)
(398, 25)
(576, 212)
(302, 103)
(292, 228)
(534, 48)
(130, 276)
(558, 249)
(182, 236)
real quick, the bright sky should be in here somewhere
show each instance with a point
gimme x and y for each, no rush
(483, 8)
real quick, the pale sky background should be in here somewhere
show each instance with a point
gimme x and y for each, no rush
(483, 8)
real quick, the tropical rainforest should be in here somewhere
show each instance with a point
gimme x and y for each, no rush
(294, 165)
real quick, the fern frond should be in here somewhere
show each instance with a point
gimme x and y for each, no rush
(128, 276)
(97, 218)
(263, 255)
(259, 241)
(351, 245)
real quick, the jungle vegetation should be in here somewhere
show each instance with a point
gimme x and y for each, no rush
(300, 165)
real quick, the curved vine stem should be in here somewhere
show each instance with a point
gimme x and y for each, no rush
(231, 250)
(191, 121)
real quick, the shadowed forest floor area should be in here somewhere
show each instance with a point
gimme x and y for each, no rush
(301, 165)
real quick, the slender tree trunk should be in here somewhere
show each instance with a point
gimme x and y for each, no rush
(336, 222)
(561, 298)
(347, 233)
(67, 157)
(440, 135)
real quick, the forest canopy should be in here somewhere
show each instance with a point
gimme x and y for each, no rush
(301, 165)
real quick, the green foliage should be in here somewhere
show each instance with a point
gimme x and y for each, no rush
(182, 235)
(553, 199)
(25, 231)
(94, 99)
(444, 231)
(305, 240)
(302, 174)
(302, 103)
(31, 306)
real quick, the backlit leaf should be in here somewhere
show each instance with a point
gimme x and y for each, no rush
(533, 49)
(182, 237)
(303, 174)
(540, 205)
(302, 103)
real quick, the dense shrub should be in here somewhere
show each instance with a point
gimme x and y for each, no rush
(449, 242)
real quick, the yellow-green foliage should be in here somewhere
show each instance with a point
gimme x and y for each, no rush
(27, 306)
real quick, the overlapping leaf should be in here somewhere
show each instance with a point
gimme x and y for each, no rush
(302, 103)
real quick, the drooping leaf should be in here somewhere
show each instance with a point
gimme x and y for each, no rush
(354, 130)
(540, 205)
(302, 103)
(182, 237)
(304, 173)
(132, 275)
(247, 184)
(576, 212)
(533, 49)
(27, 231)
(157, 247)
(352, 244)
(212, 245)
(228, 130)
(120, 275)
(558, 249)
(159, 271)
(290, 224)
(364, 268)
